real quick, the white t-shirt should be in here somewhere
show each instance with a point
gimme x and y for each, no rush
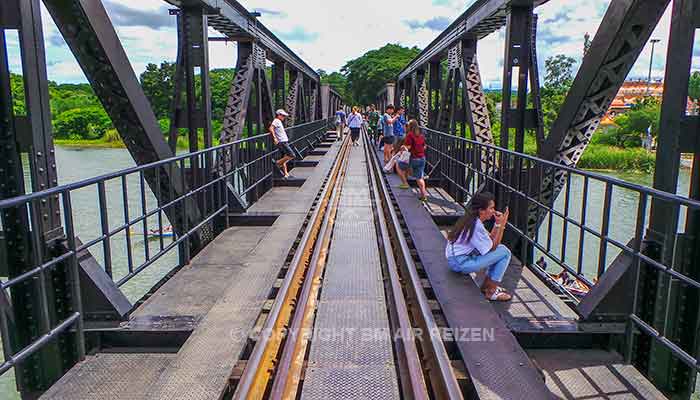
(280, 133)
(481, 241)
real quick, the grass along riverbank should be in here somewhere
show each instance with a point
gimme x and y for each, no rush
(112, 140)
(606, 157)
(599, 156)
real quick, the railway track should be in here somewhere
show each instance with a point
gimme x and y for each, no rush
(276, 362)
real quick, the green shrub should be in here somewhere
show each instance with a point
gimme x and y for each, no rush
(598, 156)
(112, 136)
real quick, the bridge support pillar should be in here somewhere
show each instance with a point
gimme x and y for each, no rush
(30, 240)
(671, 307)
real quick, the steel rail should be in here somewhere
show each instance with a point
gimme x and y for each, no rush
(291, 365)
(443, 380)
(261, 363)
(409, 349)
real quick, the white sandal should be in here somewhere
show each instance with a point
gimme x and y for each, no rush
(500, 295)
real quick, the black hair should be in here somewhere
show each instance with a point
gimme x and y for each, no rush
(479, 202)
(389, 106)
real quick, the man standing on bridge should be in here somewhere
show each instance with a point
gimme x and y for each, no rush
(279, 137)
(340, 122)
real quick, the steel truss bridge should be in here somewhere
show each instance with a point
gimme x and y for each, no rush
(255, 260)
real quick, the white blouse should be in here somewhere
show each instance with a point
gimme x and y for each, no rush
(480, 241)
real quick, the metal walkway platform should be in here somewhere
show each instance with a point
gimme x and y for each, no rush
(220, 295)
(349, 358)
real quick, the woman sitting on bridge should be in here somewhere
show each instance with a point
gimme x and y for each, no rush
(471, 248)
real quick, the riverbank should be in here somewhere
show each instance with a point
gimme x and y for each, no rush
(183, 143)
(596, 156)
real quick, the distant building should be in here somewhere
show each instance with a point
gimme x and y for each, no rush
(631, 92)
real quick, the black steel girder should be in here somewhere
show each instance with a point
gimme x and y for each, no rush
(621, 37)
(87, 29)
(481, 19)
(232, 19)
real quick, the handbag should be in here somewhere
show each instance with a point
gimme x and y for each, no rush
(389, 166)
(404, 157)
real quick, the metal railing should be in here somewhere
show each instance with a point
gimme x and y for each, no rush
(582, 231)
(191, 190)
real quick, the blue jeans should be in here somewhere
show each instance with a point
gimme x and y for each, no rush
(418, 167)
(496, 261)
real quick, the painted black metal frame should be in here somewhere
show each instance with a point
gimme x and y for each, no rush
(443, 157)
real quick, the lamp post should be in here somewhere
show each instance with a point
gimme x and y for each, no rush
(651, 61)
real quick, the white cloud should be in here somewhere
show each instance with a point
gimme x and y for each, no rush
(330, 33)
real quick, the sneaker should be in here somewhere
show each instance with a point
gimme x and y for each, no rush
(423, 199)
(404, 186)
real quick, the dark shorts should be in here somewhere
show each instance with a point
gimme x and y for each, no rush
(354, 134)
(389, 139)
(404, 166)
(285, 149)
(418, 167)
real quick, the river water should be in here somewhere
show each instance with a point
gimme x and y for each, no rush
(75, 164)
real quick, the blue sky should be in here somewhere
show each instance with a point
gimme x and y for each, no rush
(328, 33)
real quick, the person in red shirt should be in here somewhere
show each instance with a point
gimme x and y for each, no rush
(415, 143)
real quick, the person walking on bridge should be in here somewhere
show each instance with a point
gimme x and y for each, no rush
(373, 120)
(471, 248)
(388, 120)
(340, 118)
(355, 123)
(415, 143)
(279, 137)
(400, 123)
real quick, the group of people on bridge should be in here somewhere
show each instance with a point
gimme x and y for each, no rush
(470, 247)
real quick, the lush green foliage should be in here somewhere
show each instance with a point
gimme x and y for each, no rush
(339, 83)
(694, 86)
(82, 123)
(632, 125)
(79, 118)
(558, 79)
(600, 156)
(559, 71)
(367, 75)
(158, 84)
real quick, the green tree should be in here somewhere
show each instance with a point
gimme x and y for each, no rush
(557, 82)
(158, 84)
(368, 74)
(66, 97)
(17, 88)
(694, 86)
(220, 81)
(340, 84)
(82, 123)
(632, 125)
(559, 71)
